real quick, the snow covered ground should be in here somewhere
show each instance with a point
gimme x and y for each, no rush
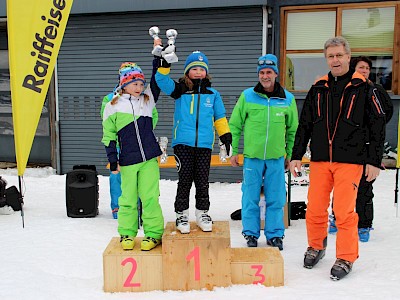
(56, 257)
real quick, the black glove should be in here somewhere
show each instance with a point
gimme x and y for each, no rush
(113, 166)
(162, 63)
(226, 139)
(168, 53)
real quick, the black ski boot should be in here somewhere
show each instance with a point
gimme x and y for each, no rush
(276, 242)
(251, 240)
(340, 269)
(312, 257)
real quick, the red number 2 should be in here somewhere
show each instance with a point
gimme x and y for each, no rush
(258, 273)
(128, 282)
(195, 254)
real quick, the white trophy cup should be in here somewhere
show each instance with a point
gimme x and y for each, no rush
(169, 52)
(222, 152)
(153, 32)
(163, 142)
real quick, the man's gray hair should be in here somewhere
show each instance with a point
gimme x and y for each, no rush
(337, 41)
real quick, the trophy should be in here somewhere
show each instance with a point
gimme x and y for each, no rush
(169, 52)
(163, 142)
(153, 32)
(223, 155)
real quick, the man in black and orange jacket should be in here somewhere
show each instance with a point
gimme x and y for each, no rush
(340, 115)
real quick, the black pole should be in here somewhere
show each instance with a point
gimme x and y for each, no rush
(396, 190)
(289, 192)
(21, 200)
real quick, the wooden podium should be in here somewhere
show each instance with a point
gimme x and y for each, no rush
(194, 261)
(257, 266)
(132, 271)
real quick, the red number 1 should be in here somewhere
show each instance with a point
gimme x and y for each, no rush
(128, 282)
(195, 254)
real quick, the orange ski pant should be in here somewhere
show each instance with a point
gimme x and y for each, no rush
(343, 179)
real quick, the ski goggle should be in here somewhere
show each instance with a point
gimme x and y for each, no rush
(263, 62)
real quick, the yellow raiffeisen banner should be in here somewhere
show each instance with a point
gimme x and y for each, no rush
(35, 31)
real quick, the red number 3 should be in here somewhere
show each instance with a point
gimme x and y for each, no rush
(258, 273)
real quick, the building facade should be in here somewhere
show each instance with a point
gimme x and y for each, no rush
(232, 34)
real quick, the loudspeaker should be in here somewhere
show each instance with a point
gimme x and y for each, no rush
(82, 192)
(298, 210)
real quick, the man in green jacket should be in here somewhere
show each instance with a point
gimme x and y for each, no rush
(267, 114)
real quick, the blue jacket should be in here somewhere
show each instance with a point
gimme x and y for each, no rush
(197, 111)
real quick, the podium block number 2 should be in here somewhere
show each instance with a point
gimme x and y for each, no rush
(195, 254)
(128, 282)
(258, 274)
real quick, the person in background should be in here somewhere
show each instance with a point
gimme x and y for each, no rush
(115, 179)
(198, 109)
(127, 119)
(365, 194)
(267, 114)
(339, 115)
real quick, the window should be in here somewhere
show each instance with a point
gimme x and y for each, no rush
(369, 28)
(5, 95)
(304, 35)
(370, 32)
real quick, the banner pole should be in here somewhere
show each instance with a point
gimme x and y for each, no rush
(396, 192)
(21, 199)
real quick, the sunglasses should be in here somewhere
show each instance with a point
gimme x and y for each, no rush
(263, 62)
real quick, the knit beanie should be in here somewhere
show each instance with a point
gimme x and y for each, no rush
(196, 59)
(268, 61)
(130, 72)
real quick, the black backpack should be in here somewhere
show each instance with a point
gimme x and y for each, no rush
(380, 93)
(13, 198)
(3, 185)
(386, 102)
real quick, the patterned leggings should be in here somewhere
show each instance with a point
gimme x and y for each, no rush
(193, 165)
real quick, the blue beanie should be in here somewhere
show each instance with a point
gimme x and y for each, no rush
(196, 59)
(268, 61)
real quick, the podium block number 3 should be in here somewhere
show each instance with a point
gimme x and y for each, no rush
(128, 282)
(195, 254)
(258, 274)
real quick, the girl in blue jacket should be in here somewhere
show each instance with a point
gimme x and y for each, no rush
(198, 109)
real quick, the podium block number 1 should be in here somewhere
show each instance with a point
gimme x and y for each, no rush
(195, 254)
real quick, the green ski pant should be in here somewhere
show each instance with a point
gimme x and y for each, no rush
(140, 180)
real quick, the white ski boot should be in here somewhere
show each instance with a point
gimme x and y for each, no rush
(182, 221)
(203, 220)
